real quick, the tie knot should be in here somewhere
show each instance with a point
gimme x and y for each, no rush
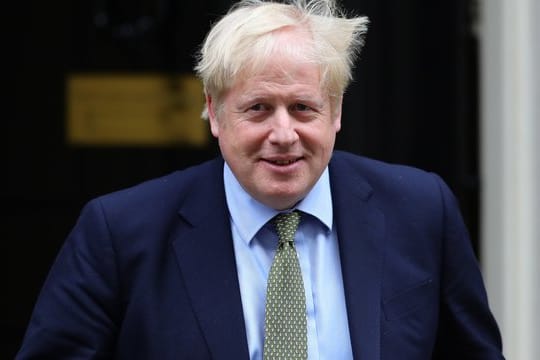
(286, 225)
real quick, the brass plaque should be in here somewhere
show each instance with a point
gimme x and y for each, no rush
(135, 109)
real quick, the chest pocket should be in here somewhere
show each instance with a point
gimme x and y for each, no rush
(411, 299)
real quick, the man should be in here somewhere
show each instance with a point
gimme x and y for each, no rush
(183, 267)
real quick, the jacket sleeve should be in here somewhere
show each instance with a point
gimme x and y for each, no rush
(77, 311)
(467, 328)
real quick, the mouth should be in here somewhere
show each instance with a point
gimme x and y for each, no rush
(283, 162)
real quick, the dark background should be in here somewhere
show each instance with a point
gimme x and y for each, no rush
(414, 101)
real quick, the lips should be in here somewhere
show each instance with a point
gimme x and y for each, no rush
(283, 162)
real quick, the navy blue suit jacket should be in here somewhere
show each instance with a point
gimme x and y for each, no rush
(149, 272)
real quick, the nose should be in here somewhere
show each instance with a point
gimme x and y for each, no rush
(283, 130)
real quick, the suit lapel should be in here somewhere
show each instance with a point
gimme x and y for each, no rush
(360, 229)
(204, 250)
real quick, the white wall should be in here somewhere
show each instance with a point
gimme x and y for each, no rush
(510, 157)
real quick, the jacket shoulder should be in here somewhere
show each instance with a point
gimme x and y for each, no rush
(170, 188)
(396, 188)
(381, 175)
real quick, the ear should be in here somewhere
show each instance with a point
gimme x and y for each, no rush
(214, 126)
(336, 113)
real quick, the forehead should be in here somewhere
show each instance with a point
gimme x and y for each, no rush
(279, 78)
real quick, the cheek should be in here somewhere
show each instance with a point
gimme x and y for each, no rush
(322, 137)
(243, 139)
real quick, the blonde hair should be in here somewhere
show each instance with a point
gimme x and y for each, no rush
(243, 41)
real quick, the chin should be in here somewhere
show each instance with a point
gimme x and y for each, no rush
(282, 201)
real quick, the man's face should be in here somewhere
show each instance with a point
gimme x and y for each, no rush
(276, 130)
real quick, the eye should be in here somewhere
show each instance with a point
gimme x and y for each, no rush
(258, 107)
(301, 107)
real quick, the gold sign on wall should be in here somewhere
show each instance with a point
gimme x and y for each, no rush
(135, 109)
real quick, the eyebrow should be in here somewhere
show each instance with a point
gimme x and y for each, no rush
(257, 96)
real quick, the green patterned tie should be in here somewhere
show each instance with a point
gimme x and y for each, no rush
(285, 323)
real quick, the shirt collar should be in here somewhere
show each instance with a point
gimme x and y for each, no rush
(249, 215)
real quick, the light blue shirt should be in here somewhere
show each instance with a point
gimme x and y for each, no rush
(255, 243)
